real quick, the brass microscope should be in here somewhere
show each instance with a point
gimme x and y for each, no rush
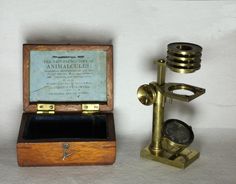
(171, 138)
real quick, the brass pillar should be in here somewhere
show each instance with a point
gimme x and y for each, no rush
(158, 110)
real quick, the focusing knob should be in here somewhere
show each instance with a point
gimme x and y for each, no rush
(146, 94)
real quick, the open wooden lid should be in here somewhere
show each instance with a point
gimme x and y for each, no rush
(67, 76)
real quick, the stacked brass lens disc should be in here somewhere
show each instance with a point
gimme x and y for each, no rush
(184, 57)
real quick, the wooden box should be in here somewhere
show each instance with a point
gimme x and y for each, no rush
(68, 103)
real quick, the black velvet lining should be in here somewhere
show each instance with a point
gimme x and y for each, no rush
(65, 126)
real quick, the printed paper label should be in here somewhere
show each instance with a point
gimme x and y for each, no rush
(68, 76)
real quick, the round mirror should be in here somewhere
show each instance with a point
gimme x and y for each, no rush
(178, 132)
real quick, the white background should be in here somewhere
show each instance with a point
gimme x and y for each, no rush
(139, 31)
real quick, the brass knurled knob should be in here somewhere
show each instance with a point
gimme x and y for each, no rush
(184, 57)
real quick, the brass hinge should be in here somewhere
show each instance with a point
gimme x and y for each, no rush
(90, 108)
(45, 109)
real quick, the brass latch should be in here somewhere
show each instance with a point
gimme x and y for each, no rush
(45, 109)
(90, 108)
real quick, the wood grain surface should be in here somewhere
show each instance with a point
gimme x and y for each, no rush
(80, 153)
(49, 152)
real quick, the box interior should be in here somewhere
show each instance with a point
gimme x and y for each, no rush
(65, 126)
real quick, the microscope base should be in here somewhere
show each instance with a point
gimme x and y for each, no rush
(184, 158)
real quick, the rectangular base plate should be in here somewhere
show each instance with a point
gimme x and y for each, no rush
(184, 158)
